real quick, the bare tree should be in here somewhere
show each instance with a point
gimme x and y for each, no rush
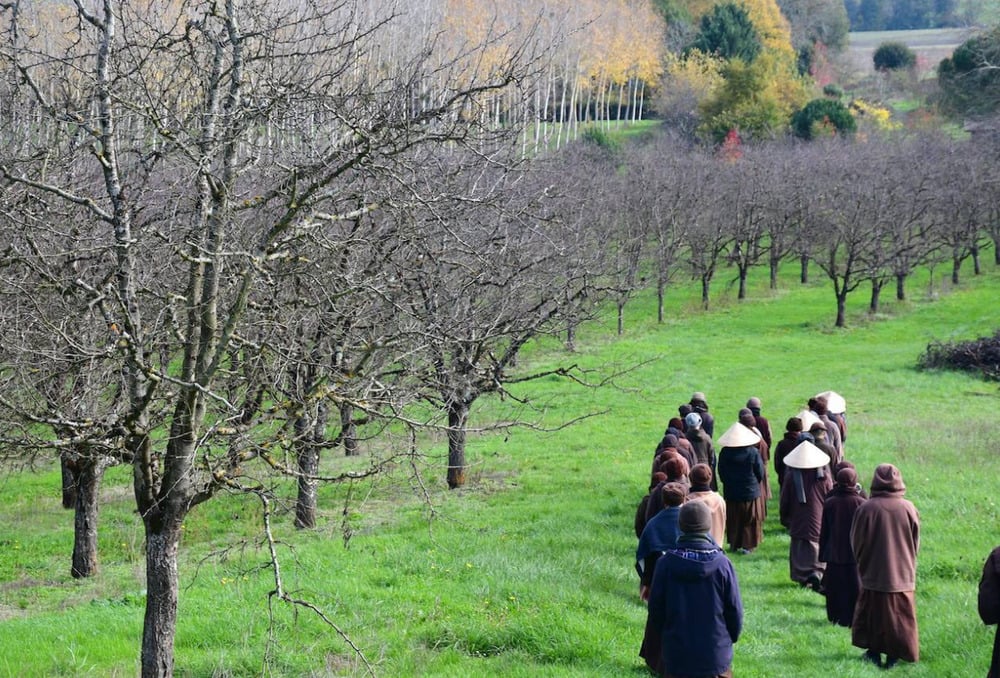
(199, 139)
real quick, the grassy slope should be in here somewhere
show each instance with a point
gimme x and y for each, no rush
(527, 571)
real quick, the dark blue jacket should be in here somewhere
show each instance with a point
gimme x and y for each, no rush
(740, 471)
(659, 534)
(695, 608)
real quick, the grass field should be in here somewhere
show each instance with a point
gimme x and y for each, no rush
(528, 570)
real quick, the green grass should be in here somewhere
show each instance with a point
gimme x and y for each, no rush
(527, 570)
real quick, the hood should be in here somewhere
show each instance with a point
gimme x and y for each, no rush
(692, 564)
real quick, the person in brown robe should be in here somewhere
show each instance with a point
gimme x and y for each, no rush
(989, 604)
(740, 472)
(841, 581)
(793, 429)
(807, 482)
(746, 418)
(885, 537)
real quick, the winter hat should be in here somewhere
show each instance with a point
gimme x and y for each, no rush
(675, 467)
(754, 403)
(695, 518)
(701, 474)
(674, 494)
(887, 478)
(745, 416)
(692, 420)
(847, 477)
(738, 435)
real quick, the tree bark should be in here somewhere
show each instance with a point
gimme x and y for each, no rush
(659, 303)
(305, 501)
(841, 310)
(956, 266)
(160, 623)
(706, 283)
(900, 287)
(458, 417)
(621, 318)
(804, 269)
(348, 431)
(87, 477)
(742, 294)
(876, 296)
(68, 482)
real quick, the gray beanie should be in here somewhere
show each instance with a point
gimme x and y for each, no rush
(695, 518)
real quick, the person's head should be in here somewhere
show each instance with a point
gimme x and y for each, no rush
(701, 475)
(818, 430)
(695, 518)
(692, 421)
(698, 402)
(847, 477)
(754, 404)
(684, 410)
(658, 477)
(670, 440)
(746, 417)
(674, 494)
(817, 405)
(676, 467)
(676, 423)
(887, 478)
(843, 463)
(793, 425)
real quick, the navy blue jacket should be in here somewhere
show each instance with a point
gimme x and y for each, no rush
(740, 470)
(695, 609)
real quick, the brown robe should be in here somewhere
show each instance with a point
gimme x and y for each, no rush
(885, 537)
(841, 583)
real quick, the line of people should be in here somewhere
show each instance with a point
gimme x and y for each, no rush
(859, 552)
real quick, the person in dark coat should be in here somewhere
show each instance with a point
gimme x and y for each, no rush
(989, 604)
(807, 482)
(841, 582)
(699, 405)
(660, 533)
(791, 438)
(763, 425)
(741, 471)
(885, 537)
(704, 450)
(763, 447)
(695, 611)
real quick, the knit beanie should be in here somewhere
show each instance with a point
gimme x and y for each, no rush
(674, 494)
(695, 518)
(701, 474)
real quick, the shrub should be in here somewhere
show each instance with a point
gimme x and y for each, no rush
(978, 355)
(833, 91)
(893, 56)
(822, 116)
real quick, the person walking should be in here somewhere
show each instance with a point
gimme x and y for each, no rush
(741, 471)
(989, 604)
(885, 538)
(695, 613)
(807, 482)
(841, 581)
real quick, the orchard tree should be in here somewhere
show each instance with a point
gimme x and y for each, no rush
(198, 140)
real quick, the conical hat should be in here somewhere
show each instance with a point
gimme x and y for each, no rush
(806, 455)
(808, 419)
(834, 402)
(738, 435)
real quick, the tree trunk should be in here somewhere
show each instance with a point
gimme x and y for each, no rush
(621, 318)
(876, 296)
(956, 266)
(160, 623)
(773, 282)
(977, 267)
(305, 500)
(660, 294)
(742, 294)
(348, 431)
(996, 251)
(900, 287)
(458, 416)
(804, 266)
(705, 284)
(841, 311)
(68, 482)
(87, 477)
